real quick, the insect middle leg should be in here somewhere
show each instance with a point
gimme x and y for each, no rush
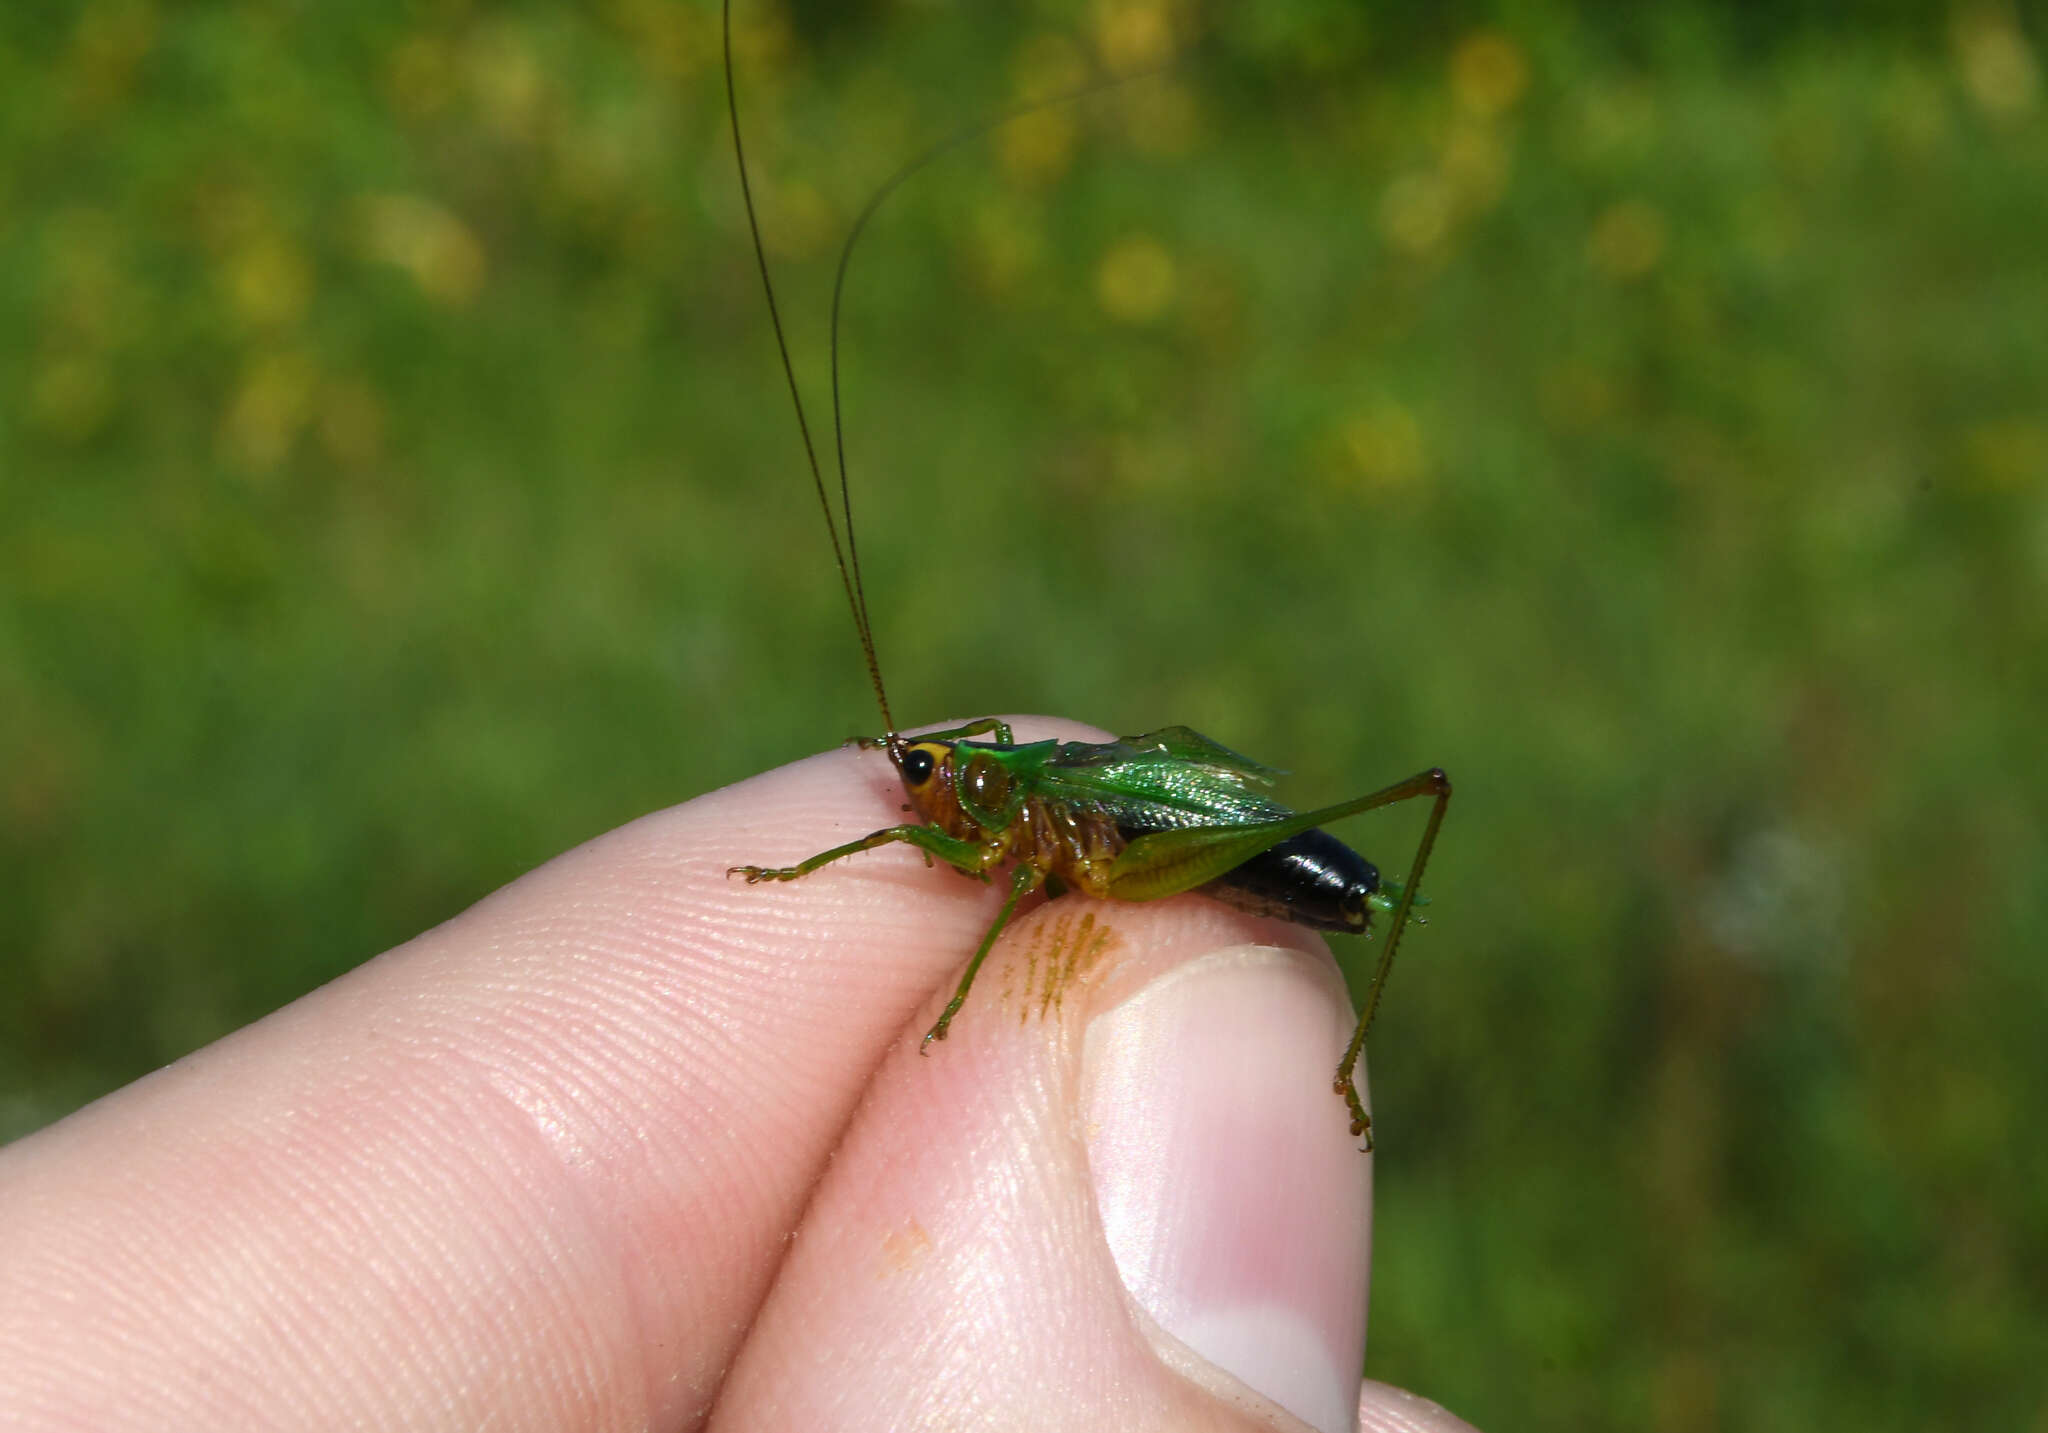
(1025, 880)
(971, 857)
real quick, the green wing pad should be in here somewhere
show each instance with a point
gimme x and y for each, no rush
(1183, 743)
(1155, 782)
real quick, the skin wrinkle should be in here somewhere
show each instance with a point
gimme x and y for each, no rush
(711, 1146)
(533, 1233)
(578, 1173)
(340, 1130)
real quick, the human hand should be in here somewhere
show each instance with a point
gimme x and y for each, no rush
(628, 1144)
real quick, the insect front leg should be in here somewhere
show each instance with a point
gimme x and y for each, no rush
(971, 857)
(984, 726)
(968, 856)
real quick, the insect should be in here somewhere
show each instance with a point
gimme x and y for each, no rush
(1137, 819)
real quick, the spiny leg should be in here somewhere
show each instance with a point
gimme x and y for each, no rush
(961, 855)
(1026, 879)
(1429, 783)
(980, 727)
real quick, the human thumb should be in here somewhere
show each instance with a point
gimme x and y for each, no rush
(1120, 1194)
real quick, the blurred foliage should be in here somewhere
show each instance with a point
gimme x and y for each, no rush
(1641, 416)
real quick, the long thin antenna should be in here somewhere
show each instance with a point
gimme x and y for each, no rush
(839, 555)
(888, 187)
(848, 557)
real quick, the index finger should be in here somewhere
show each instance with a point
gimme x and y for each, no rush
(542, 1160)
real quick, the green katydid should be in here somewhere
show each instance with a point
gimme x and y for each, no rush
(1137, 819)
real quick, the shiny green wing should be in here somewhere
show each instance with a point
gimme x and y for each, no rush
(1184, 743)
(1164, 780)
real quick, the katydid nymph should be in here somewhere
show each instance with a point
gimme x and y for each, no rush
(1138, 819)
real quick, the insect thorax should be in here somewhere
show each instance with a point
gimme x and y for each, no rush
(972, 796)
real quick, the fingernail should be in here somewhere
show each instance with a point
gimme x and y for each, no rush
(1234, 1199)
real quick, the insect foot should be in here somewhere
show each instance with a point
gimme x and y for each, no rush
(1361, 1122)
(756, 874)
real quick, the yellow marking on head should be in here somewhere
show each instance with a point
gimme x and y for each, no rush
(938, 753)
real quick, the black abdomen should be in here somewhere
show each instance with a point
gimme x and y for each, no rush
(1312, 879)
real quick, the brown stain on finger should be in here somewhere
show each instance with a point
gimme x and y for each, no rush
(904, 1248)
(1063, 951)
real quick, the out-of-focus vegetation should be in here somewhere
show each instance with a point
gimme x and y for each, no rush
(1646, 419)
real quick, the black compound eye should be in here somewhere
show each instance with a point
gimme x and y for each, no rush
(918, 766)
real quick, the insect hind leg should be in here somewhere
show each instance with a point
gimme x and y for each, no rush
(1431, 783)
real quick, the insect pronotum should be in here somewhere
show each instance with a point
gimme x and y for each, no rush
(1137, 819)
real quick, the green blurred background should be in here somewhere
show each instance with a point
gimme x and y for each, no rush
(1644, 418)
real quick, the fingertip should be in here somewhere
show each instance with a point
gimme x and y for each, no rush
(1383, 1408)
